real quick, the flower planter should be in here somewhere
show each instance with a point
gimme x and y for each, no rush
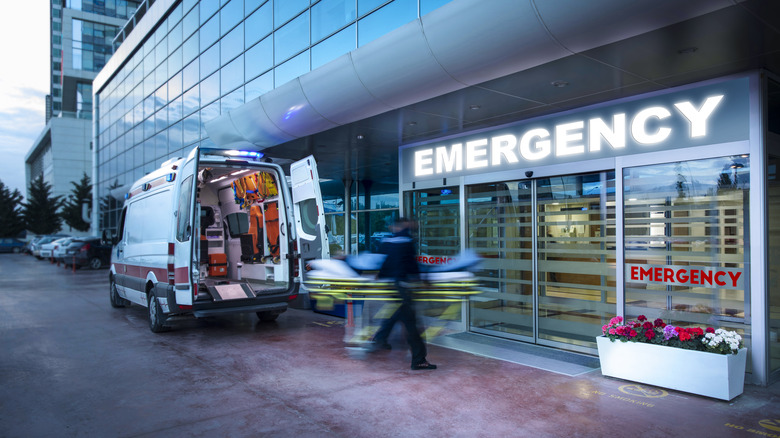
(709, 374)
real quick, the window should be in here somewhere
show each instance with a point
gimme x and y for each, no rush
(259, 58)
(291, 38)
(92, 44)
(83, 100)
(183, 209)
(333, 47)
(329, 16)
(284, 10)
(259, 24)
(386, 19)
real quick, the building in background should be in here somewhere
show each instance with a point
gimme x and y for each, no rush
(487, 111)
(82, 32)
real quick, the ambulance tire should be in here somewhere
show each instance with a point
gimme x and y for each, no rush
(116, 300)
(156, 316)
(268, 316)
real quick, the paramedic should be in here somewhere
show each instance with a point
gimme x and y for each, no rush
(401, 266)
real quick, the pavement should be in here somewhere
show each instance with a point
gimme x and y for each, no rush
(71, 366)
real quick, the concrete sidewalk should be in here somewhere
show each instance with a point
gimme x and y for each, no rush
(73, 366)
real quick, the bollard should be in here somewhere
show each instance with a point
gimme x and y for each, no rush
(74, 264)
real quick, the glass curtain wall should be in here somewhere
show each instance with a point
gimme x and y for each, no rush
(687, 243)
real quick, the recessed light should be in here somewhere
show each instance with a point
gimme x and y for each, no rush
(559, 84)
(474, 107)
(359, 137)
(412, 123)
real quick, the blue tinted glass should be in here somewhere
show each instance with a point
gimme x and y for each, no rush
(209, 61)
(232, 100)
(174, 138)
(333, 47)
(292, 69)
(138, 154)
(191, 75)
(190, 23)
(328, 16)
(148, 127)
(174, 61)
(259, 86)
(232, 44)
(231, 14)
(174, 86)
(232, 75)
(259, 58)
(209, 32)
(251, 5)
(175, 110)
(191, 101)
(160, 98)
(161, 120)
(207, 8)
(259, 24)
(385, 20)
(210, 112)
(291, 39)
(209, 89)
(366, 6)
(161, 144)
(190, 49)
(429, 5)
(286, 9)
(174, 38)
(191, 127)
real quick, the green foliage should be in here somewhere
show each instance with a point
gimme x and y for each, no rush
(71, 209)
(11, 219)
(41, 211)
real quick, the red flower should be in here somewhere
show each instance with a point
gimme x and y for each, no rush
(697, 331)
(683, 334)
(632, 334)
(650, 334)
(641, 318)
(709, 330)
(636, 325)
(659, 323)
(647, 325)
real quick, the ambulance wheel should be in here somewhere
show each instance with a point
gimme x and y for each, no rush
(156, 316)
(268, 316)
(116, 300)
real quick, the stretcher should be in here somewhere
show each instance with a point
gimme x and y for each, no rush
(438, 295)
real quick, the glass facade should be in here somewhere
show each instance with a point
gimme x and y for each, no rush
(208, 57)
(111, 8)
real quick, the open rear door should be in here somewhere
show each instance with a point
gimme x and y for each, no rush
(182, 249)
(309, 211)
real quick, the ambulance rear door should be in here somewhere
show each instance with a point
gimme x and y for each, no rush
(312, 237)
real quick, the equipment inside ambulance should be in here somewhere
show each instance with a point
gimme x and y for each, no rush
(218, 232)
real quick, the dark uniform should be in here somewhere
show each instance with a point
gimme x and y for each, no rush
(401, 266)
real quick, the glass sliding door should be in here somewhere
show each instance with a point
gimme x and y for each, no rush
(576, 257)
(687, 242)
(500, 230)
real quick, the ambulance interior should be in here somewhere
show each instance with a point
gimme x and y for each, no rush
(241, 238)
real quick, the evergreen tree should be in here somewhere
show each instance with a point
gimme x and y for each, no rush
(40, 212)
(71, 210)
(11, 219)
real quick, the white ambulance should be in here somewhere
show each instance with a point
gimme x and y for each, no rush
(220, 231)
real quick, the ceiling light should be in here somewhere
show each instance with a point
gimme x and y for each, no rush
(359, 137)
(474, 107)
(412, 123)
(559, 84)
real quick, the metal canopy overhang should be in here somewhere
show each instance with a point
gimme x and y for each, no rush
(464, 43)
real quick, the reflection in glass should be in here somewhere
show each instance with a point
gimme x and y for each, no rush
(259, 24)
(259, 58)
(328, 16)
(259, 86)
(575, 257)
(291, 69)
(291, 38)
(284, 10)
(389, 17)
(333, 47)
(685, 217)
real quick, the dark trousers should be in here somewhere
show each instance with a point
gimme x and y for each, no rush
(405, 313)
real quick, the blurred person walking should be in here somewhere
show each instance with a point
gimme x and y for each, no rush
(401, 266)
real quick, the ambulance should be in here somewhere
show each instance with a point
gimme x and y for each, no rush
(218, 232)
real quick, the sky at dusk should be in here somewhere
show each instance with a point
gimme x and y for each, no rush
(24, 84)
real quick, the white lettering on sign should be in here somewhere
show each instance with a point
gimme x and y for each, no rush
(649, 126)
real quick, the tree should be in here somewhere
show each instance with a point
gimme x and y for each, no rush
(71, 209)
(11, 219)
(40, 212)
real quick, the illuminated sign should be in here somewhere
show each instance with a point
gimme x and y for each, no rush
(715, 113)
(686, 276)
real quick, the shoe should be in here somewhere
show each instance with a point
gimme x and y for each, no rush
(424, 366)
(377, 346)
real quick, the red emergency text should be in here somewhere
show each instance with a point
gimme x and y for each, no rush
(434, 260)
(686, 276)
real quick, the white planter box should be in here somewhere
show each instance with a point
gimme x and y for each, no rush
(713, 375)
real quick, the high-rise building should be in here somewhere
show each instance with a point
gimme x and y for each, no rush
(604, 157)
(82, 33)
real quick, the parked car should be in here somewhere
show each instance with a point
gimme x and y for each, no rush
(10, 244)
(89, 252)
(47, 249)
(36, 248)
(58, 252)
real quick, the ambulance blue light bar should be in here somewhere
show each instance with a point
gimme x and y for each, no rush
(247, 154)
